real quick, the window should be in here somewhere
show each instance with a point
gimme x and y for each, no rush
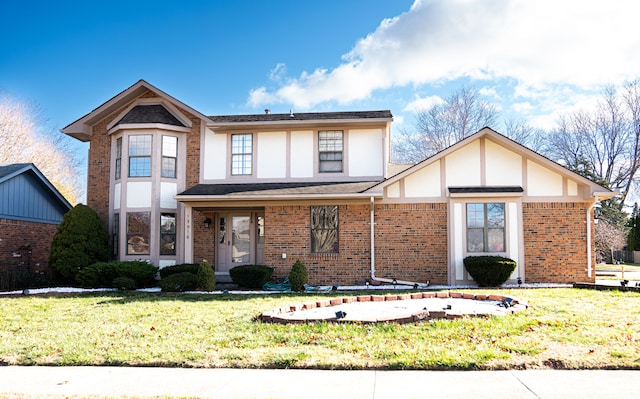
(330, 151)
(324, 229)
(241, 154)
(118, 157)
(138, 229)
(167, 234)
(169, 156)
(485, 227)
(116, 234)
(140, 156)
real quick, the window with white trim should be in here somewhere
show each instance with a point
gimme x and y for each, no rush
(140, 155)
(485, 227)
(330, 148)
(241, 154)
(118, 157)
(169, 156)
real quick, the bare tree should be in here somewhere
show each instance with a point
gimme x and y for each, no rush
(608, 238)
(24, 138)
(436, 128)
(527, 135)
(606, 140)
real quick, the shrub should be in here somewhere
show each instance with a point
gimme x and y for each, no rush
(103, 274)
(181, 268)
(298, 276)
(124, 283)
(251, 276)
(81, 240)
(489, 271)
(206, 277)
(179, 282)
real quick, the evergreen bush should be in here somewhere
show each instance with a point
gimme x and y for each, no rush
(103, 274)
(180, 268)
(206, 277)
(489, 271)
(251, 276)
(124, 283)
(179, 282)
(298, 276)
(81, 240)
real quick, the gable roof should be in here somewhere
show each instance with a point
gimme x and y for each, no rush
(345, 116)
(35, 178)
(595, 189)
(81, 128)
(151, 113)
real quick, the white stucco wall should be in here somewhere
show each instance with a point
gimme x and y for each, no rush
(301, 154)
(503, 167)
(572, 188)
(365, 152)
(138, 195)
(424, 182)
(393, 190)
(463, 166)
(214, 156)
(272, 155)
(542, 181)
(117, 192)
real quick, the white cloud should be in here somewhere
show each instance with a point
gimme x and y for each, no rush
(580, 44)
(423, 104)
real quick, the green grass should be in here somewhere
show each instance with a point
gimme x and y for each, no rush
(563, 328)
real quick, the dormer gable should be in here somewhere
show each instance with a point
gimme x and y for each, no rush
(152, 113)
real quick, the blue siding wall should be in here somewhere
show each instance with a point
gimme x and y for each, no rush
(25, 197)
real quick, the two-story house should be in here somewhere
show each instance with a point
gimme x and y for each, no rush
(176, 186)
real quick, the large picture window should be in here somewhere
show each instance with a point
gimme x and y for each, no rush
(241, 154)
(138, 230)
(169, 156)
(324, 229)
(140, 155)
(330, 146)
(168, 234)
(485, 227)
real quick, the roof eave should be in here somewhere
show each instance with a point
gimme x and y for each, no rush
(315, 122)
(272, 197)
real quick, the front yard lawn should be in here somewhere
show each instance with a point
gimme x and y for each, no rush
(563, 328)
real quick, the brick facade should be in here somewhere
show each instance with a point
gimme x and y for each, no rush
(410, 240)
(37, 235)
(555, 242)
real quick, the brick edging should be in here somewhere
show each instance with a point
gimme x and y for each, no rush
(274, 315)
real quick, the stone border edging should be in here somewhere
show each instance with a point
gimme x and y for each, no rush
(275, 315)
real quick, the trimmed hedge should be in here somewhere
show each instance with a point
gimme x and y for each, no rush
(489, 271)
(206, 276)
(251, 276)
(181, 268)
(179, 282)
(103, 274)
(298, 276)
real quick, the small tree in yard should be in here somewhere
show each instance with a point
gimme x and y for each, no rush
(298, 276)
(81, 240)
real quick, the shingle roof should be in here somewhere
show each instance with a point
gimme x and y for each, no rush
(303, 116)
(153, 113)
(301, 188)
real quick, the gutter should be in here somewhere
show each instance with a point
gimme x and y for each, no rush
(589, 250)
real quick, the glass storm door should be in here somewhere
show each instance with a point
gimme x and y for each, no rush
(240, 240)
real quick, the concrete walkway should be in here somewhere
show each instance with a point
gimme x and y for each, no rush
(310, 384)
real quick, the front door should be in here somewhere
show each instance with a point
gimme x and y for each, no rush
(240, 239)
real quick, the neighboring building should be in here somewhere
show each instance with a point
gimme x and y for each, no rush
(31, 209)
(176, 186)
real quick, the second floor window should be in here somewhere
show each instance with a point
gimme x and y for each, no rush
(330, 151)
(169, 156)
(241, 154)
(140, 155)
(118, 157)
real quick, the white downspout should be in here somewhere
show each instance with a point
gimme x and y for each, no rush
(589, 252)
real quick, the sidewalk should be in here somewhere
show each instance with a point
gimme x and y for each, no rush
(142, 382)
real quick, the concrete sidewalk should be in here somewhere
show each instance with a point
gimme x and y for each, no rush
(144, 382)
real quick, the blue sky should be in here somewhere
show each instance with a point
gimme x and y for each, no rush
(534, 59)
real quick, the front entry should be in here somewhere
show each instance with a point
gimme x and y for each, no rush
(240, 239)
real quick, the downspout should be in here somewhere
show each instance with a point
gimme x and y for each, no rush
(373, 254)
(589, 252)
